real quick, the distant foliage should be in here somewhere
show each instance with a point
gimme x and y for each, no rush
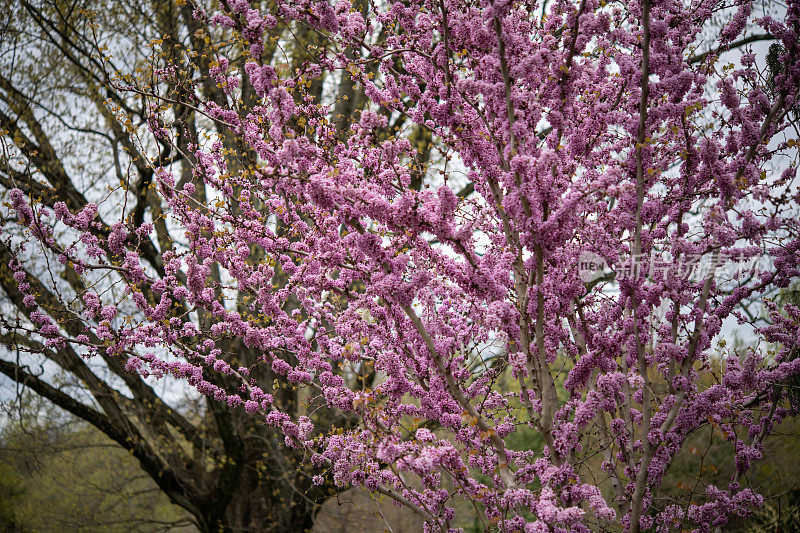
(59, 475)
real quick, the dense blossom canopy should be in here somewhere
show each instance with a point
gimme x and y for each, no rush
(442, 307)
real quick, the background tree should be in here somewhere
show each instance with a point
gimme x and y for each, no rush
(350, 311)
(62, 474)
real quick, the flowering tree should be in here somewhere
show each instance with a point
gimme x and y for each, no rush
(399, 294)
(72, 135)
